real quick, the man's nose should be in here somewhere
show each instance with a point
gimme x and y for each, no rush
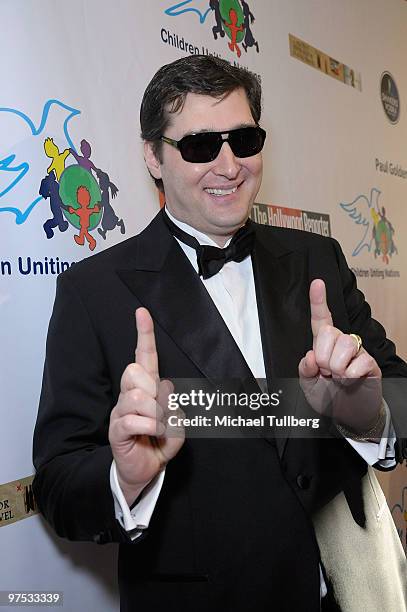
(226, 164)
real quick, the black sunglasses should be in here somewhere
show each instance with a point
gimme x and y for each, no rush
(205, 146)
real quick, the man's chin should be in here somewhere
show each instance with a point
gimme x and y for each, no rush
(231, 221)
(228, 228)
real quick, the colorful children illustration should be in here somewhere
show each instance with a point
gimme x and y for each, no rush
(234, 29)
(249, 40)
(382, 234)
(84, 159)
(218, 28)
(84, 182)
(109, 220)
(49, 188)
(84, 213)
(58, 159)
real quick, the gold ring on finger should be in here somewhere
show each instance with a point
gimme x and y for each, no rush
(358, 340)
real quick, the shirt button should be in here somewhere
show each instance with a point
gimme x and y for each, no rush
(303, 481)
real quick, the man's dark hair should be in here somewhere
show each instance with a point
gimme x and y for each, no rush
(198, 74)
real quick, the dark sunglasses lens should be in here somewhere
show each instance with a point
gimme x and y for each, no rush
(200, 148)
(247, 141)
(203, 148)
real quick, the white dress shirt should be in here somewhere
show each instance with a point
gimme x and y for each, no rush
(233, 292)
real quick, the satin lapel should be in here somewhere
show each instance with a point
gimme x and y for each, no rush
(165, 282)
(282, 286)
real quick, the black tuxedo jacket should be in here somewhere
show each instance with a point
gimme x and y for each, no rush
(215, 515)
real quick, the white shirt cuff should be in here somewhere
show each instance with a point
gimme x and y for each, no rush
(136, 520)
(382, 453)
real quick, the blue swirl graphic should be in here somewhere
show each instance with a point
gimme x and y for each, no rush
(6, 164)
(177, 9)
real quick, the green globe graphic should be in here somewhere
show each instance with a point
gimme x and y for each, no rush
(383, 237)
(225, 7)
(73, 177)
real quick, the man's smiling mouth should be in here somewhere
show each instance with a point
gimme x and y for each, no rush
(220, 192)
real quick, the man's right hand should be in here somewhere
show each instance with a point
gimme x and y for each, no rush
(138, 435)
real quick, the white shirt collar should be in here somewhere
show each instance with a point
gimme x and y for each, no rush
(202, 238)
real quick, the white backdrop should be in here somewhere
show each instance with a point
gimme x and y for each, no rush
(77, 70)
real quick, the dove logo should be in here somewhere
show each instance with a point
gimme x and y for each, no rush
(189, 6)
(375, 230)
(78, 191)
(232, 19)
(19, 166)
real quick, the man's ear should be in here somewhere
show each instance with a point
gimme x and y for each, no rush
(152, 162)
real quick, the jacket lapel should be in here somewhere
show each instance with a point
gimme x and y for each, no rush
(282, 288)
(167, 285)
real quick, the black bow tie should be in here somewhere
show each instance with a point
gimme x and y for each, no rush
(212, 259)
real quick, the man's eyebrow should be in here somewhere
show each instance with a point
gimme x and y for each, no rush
(211, 130)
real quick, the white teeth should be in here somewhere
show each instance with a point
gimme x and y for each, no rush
(221, 192)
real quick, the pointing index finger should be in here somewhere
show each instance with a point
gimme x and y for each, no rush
(320, 313)
(146, 352)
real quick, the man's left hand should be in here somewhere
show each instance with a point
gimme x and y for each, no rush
(338, 379)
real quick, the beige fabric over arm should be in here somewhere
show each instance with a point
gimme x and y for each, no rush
(367, 566)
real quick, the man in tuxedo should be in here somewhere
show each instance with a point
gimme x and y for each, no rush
(210, 522)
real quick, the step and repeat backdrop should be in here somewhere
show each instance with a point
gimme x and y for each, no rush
(73, 74)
